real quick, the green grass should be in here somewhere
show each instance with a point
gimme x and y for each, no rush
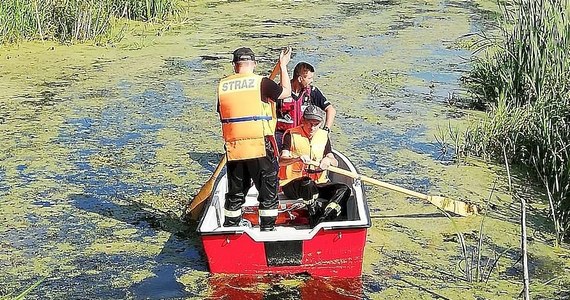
(523, 80)
(74, 20)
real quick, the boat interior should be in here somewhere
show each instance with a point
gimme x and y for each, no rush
(293, 218)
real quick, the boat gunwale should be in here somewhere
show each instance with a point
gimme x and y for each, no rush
(286, 233)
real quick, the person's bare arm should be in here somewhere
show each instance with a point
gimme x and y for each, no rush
(330, 114)
(286, 159)
(285, 83)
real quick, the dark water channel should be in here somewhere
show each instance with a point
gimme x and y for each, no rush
(99, 156)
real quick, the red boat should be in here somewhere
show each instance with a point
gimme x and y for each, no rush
(330, 249)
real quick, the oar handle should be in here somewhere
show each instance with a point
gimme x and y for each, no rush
(377, 182)
(275, 71)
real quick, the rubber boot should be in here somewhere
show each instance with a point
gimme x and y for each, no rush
(316, 211)
(267, 223)
(232, 221)
(331, 212)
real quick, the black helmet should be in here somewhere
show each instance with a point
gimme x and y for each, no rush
(313, 112)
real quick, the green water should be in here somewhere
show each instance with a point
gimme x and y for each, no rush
(100, 147)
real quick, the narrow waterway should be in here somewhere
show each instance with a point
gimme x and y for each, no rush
(100, 148)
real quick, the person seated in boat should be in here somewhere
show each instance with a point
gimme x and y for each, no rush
(303, 94)
(245, 106)
(303, 146)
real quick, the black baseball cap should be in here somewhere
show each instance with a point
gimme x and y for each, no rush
(243, 54)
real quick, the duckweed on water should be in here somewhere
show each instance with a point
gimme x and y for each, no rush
(91, 183)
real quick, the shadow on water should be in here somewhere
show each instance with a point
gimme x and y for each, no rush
(110, 146)
(538, 217)
(207, 160)
(201, 64)
(182, 251)
(354, 9)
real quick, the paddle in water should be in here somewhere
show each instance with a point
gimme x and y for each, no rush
(455, 206)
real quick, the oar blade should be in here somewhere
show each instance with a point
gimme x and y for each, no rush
(193, 211)
(194, 207)
(457, 207)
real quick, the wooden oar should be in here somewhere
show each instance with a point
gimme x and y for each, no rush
(194, 207)
(455, 206)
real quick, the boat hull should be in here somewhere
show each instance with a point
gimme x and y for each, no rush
(329, 249)
(330, 253)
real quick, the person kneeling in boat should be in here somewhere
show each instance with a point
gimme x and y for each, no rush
(302, 146)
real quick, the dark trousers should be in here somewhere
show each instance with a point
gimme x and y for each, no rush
(263, 173)
(279, 140)
(330, 192)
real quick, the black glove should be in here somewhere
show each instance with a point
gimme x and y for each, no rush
(312, 208)
(331, 211)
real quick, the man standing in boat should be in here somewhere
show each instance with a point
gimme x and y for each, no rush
(303, 93)
(246, 113)
(303, 145)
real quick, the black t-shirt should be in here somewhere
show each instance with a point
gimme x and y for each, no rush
(270, 89)
(287, 144)
(315, 97)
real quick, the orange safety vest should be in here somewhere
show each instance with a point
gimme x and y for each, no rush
(246, 120)
(301, 145)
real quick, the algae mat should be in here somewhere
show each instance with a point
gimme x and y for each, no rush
(100, 147)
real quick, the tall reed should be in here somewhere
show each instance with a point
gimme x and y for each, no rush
(74, 20)
(525, 81)
(17, 19)
(146, 10)
(23, 294)
(79, 20)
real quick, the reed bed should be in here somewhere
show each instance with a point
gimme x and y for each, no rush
(523, 80)
(74, 20)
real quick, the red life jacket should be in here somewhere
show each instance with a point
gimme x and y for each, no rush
(291, 111)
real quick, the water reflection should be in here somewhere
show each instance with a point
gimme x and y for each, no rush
(283, 287)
